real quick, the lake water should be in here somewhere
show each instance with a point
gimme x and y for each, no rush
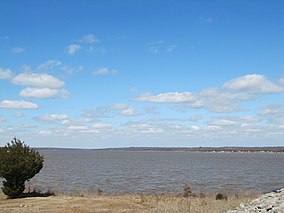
(72, 171)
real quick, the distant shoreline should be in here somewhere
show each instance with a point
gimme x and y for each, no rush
(277, 149)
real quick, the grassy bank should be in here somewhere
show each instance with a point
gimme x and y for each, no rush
(150, 203)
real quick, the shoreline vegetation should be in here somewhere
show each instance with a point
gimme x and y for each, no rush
(128, 202)
(276, 149)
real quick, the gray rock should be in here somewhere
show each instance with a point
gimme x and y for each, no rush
(272, 202)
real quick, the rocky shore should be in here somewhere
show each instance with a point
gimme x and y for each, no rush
(271, 202)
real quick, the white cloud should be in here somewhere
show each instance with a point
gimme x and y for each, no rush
(141, 127)
(38, 92)
(273, 110)
(53, 117)
(219, 101)
(81, 127)
(77, 122)
(73, 48)
(123, 109)
(56, 65)
(170, 97)
(49, 65)
(195, 128)
(100, 126)
(90, 39)
(6, 73)
(14, 104)
(250, 119)
(128, 112)
(222, 122)
(96, 128)
(273, 114)
(101, 71)
(38, 80)
(45, 132)
(214, 99)
(104, 71)
(18, 50)
(254, 83)
(63, 93)
(71, 70)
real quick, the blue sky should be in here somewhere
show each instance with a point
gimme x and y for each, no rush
(94, 74)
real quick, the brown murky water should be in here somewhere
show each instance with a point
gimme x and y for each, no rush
(119, 171)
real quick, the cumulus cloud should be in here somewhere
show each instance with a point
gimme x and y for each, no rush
(73, 48)
(96, 128)
(18, 50)
(53, 117)
(15, 104)
(118, 109)
(123, 109)
(195, 128)
(37, 80)
(216, 100)
(273, 111)
(212, 99)
(254, 83)
(6, 73)
(86, 43)
(142, 127)
(78, 121)
(220, 100)
(250, 119)
(38, 93)
(81, 127)
(43, 93)
(170, 97)
(222, 122)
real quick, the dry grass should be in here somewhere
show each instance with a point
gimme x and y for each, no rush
(150, 203)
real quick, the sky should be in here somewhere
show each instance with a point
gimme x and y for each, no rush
(163, 73)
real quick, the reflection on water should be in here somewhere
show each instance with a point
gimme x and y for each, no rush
(119, 171)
